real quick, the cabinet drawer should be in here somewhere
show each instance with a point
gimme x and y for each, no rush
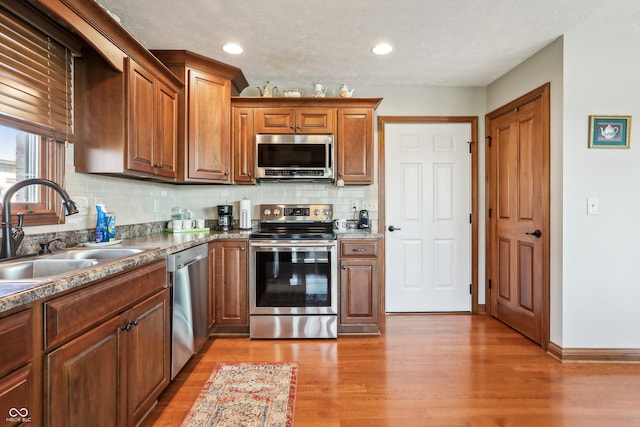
(68, 315)
(16, 338)
(359, 248)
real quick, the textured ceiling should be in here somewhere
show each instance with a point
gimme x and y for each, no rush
(436, 42)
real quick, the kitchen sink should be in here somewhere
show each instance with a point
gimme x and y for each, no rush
(65, 261)
(41, 267)
(97, 253)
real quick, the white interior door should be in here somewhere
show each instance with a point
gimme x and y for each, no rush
(428, 202)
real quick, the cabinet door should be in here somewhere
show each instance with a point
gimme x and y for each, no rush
(83, 377)
(16, 398)
(275, 120)
(315, 120)
(243, 146)
(140, 119)
(209, 152)
(148, 354)
(232, 296)
(359, 291)
(355, 145)
(166, 141)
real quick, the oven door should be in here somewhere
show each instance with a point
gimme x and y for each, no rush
(293, 277)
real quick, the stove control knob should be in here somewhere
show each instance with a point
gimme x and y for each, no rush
(316, 212)
(327, 213)
(276, 212)
(267, 212)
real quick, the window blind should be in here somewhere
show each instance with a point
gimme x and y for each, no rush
(35, 79)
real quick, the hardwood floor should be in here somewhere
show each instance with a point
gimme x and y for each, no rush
(426, 370)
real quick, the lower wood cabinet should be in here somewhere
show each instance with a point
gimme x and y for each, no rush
(359, 305)
(18, 403)
(113, 371)
(230, 286)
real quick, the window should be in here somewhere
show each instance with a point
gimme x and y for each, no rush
(36, 113)
(25, 155)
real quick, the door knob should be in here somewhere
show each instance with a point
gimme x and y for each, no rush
(536, 233)
(392, 228)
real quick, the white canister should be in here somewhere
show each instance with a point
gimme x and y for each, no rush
(245, 214)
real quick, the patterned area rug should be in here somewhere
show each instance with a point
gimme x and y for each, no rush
(247, 395)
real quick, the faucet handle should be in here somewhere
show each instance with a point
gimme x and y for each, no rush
(44, 247)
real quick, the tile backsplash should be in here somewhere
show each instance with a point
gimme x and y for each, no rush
(140, 202)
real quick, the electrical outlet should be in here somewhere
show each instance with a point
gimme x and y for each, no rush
(593, 206)
(354, 205)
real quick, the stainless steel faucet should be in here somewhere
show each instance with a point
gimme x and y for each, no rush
(11, 238)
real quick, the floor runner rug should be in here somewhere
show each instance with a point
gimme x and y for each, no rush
(247, 395)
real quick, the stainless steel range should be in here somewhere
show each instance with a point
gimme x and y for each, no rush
(293, 273)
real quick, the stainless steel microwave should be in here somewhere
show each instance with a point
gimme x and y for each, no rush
(294, 157)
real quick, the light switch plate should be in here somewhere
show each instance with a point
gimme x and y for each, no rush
(593, 206)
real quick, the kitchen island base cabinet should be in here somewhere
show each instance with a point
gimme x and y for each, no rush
(110, 372)
(231, 287)
(358, 287)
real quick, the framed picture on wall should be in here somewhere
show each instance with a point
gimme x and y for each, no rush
(609, 131)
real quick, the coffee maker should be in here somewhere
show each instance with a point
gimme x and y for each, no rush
(225, 218)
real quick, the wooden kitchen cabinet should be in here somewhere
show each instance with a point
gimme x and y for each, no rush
(243, 146)
(153, 120)
(204, 125)
(354, 153)
(126, 122)
(108, 350)
(231, 286)
(295, 120)
(359, 302)
(17, 378)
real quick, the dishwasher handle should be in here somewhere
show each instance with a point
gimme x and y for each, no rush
(187, 257)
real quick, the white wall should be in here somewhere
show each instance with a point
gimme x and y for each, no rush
(545, 66)
(601, 277)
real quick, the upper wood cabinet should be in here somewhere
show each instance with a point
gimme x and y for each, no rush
(354, 152)
(204, 125)
(243, 143)
(153, 120)
(126, 122)
(291, 120)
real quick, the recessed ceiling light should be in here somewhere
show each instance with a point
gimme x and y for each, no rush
(382, 49)
(233, 49)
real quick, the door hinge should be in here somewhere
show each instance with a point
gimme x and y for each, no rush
(490, 212)
(470, 289)
(489, 140)
(470, 218)
(489, 283)
(470, 145)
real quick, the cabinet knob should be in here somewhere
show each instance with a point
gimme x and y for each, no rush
(291, 126)
(344, 267)
(226, 174)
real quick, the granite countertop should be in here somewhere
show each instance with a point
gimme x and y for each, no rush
(14, 293)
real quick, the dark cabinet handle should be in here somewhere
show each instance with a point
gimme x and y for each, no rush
(536, 233)
(392, 228)
(358, 250)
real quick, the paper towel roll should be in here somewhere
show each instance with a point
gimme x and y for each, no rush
(245, 214)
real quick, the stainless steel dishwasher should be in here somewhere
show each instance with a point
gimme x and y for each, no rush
(188, 279)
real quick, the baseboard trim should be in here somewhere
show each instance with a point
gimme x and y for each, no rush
(594, 355)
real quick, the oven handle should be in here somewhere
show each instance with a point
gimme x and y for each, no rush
(294, 245)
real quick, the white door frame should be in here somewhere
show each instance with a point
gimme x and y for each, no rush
(473, 121)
